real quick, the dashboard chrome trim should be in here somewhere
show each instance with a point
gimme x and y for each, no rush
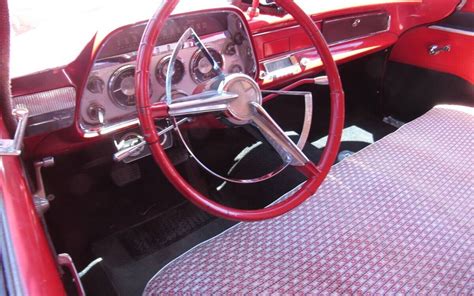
(106, 130)
(113, 79)
(105, 66)
(452, 30)
(389, 22)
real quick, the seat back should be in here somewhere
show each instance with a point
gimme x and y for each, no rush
(5, 92)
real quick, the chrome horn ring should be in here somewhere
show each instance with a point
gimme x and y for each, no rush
(222, 91)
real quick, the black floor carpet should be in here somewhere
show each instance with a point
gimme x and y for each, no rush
(163, 230)
(129, 275)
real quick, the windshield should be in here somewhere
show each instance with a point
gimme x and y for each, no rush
(50, 33)
(27, 15)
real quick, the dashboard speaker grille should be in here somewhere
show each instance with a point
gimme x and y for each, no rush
(49, 110)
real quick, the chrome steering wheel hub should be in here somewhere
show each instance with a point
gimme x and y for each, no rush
(241, 110)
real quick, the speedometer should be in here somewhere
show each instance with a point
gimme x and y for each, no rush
(201, 69)
(122, 86)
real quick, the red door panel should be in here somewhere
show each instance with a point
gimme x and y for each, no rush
(413, 48)
(469, 6)
(37, 269)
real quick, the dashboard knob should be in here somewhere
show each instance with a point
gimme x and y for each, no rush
(230, 49)
(321, 80)
(304, 62)
(239, 38)
(95, 85)
(97, 113)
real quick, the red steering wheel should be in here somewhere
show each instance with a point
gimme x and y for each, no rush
(241, 108)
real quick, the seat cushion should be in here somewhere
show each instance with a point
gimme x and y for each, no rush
(395, 217)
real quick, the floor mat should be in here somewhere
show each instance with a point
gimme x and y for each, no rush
(128, 275)
(163, 230)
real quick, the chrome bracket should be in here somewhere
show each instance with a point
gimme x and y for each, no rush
(122, 154)
(9, 147)
(40, 199)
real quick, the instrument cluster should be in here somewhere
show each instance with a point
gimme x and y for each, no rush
(108, 101)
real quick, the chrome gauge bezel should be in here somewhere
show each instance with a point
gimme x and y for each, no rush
(196, 57)
(113, 79)
(163, 62)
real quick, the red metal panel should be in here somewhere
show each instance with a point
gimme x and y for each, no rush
(343, 52)
(293, 38)
(278, 46)
(35, 260)
(412, 48)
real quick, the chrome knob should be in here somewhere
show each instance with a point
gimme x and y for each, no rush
(356, 23)
(97, 113)
(321, 80)
(95, 85)
(436, 49)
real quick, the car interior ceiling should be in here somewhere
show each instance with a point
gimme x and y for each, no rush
(114, 212)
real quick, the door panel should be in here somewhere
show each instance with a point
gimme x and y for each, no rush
(35, 263)
(413, 49)
(417, 79)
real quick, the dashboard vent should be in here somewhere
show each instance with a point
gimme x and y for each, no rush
(49, 110)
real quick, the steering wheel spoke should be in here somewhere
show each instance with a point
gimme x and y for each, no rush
(288, 150)
(205, 102)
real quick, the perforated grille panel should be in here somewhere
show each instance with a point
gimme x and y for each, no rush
(48, 101)
(49, 110)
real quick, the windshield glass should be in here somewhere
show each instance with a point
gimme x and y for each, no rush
(27, 15)
(50, 33)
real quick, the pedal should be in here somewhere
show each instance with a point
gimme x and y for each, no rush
(125, 174)
(393, 121)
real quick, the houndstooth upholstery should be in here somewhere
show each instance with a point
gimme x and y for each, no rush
(394, 218)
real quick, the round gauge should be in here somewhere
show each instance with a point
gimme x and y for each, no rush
(236, 69)
(247, 54)
(162, 69)
(201, 68)
(122, 86)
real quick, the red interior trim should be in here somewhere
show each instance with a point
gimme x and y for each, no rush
(36, 264)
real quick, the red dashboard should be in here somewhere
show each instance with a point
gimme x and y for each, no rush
(356, 28)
